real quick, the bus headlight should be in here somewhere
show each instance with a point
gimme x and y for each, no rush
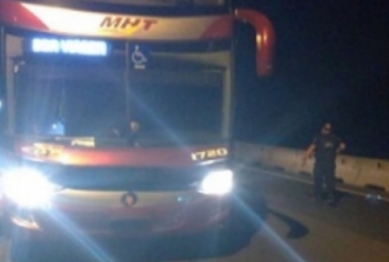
(217, 182)
(28, 188)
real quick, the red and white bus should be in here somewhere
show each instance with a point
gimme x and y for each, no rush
(117, 116)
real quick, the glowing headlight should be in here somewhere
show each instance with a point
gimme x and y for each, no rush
(217, 182)
(28, 188)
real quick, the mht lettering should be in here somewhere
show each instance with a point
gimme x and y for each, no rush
(110, 22)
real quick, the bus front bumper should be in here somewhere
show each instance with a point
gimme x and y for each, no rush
(119, 215)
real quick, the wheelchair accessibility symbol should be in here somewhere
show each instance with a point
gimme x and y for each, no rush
(139, 58)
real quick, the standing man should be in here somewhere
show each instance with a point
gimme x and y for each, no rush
(324, 147)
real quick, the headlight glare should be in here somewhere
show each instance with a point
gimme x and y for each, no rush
(217, 182)
(28, 188)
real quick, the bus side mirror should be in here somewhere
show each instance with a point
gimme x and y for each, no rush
(265, 38)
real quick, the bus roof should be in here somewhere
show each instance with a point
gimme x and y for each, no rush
(67, 21)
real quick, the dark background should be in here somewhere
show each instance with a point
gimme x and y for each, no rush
(331, 64)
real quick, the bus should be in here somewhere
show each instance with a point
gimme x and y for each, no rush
(117, 115)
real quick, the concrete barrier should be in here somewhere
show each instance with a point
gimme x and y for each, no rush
(348, 170)
(354, 171)
(374, 174)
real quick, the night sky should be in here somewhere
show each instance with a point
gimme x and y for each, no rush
(331, 64)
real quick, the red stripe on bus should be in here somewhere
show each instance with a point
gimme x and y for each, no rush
(15, 13)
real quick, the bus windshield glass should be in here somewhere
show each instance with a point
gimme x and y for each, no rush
(99, 100)
(165, 2)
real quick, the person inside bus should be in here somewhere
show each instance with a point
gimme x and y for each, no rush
(130, 132)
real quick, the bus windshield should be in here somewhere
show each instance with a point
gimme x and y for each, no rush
(65, 101)
(166, 2)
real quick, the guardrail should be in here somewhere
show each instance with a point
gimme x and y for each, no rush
(354, 171)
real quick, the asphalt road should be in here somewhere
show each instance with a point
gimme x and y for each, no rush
(296, 229)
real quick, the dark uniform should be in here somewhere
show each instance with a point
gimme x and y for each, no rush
(326, 146)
